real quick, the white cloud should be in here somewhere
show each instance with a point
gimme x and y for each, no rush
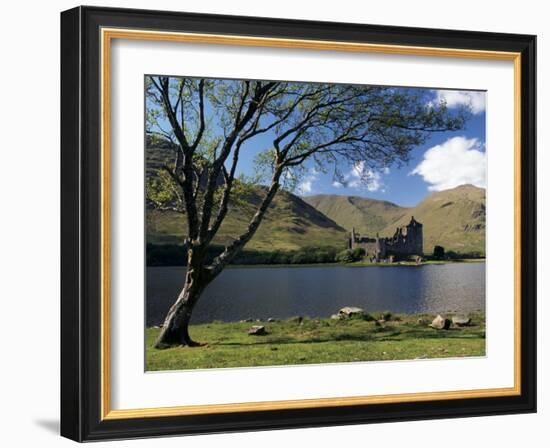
(337, 184)
(454, 98)
(362, 176)
(455, 162)
(306, 185)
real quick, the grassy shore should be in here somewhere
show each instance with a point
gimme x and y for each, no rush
(314, 341)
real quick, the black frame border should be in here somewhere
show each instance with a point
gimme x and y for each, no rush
(81, 223)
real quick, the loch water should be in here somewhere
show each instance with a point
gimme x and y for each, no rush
(319, 291)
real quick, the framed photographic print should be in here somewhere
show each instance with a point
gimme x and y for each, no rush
(273, 224)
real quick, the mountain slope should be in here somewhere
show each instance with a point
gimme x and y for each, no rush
(454, 219)
(289, 224)
(368, 216)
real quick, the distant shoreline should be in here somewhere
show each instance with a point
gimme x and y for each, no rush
(358, 264)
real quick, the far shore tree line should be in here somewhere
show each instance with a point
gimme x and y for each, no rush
(174, 255)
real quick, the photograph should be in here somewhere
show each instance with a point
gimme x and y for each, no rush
(290, 223)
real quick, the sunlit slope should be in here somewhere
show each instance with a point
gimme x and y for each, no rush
(289, 224)
(368, 216)
(454, 219)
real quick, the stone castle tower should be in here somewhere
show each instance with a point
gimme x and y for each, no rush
(406, 241)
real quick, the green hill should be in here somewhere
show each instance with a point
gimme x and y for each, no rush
(368, 216)
(454, 219)
(289, 224)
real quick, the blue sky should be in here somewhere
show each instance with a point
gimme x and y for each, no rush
(446, 160)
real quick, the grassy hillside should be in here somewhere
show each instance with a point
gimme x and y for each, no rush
(368, 216)
(454, 219)
(290, 224)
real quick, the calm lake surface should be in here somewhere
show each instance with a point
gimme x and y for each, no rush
(281, 292)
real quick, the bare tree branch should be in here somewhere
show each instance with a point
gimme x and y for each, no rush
(217, 166)
(201, 116)
(183, 163)
(233, 249)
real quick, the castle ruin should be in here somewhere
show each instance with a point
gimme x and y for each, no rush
(405, 242)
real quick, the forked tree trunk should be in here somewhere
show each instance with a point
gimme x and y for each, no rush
(175, 330)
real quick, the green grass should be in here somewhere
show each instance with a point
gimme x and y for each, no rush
(316, 341)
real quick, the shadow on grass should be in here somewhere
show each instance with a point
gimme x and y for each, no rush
(453, 333)
(290, 340)
(381, 335)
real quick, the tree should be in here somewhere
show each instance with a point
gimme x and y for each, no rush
(345, 256)
(439, 252)
(358, 253)
(209, 123)
(351, 255)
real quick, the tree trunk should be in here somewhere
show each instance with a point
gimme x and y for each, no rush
(175, 330)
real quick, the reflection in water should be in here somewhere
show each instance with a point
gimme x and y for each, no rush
(240, 293)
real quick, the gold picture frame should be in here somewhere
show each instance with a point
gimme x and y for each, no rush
(118, 25)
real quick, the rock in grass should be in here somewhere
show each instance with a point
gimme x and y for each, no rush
(257, 330)
(336, 317)
(351, 311)
(441, 323)
(461, 321)
(271, 319)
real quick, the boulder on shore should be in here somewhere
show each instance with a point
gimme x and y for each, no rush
(441, 323)
(257, 330)
(351, 311)
(461, 321)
